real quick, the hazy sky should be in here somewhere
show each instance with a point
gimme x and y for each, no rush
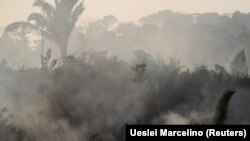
(126, 10)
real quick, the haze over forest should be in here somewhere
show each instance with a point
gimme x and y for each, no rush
(194, 39)
(183, 29)
(74, 70)
(119, 8)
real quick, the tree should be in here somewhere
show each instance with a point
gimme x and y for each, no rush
(55, 22)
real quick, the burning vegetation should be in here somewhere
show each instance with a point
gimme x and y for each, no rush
(92, 95)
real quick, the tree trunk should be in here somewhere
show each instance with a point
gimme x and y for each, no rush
(42, 46)
(63, 48)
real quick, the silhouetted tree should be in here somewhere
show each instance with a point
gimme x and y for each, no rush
(55, 22)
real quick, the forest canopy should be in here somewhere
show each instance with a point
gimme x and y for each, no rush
(194, 39)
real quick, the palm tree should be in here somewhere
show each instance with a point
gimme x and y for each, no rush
(55, 22)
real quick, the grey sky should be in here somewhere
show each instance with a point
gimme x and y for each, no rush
(126, 10)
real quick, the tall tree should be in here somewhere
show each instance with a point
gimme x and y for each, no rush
(54, 22)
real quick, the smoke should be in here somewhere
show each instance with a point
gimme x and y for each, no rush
(93, 95)
(194, 39)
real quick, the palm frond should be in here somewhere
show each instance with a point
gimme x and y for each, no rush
(39, 19)
(70, 3)
(47, 9)
(221, 111)
(15, 26)
(66, 6)
(77, 11)
(55, 22)
(28, 27)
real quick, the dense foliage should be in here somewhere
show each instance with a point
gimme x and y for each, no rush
(94, 96)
